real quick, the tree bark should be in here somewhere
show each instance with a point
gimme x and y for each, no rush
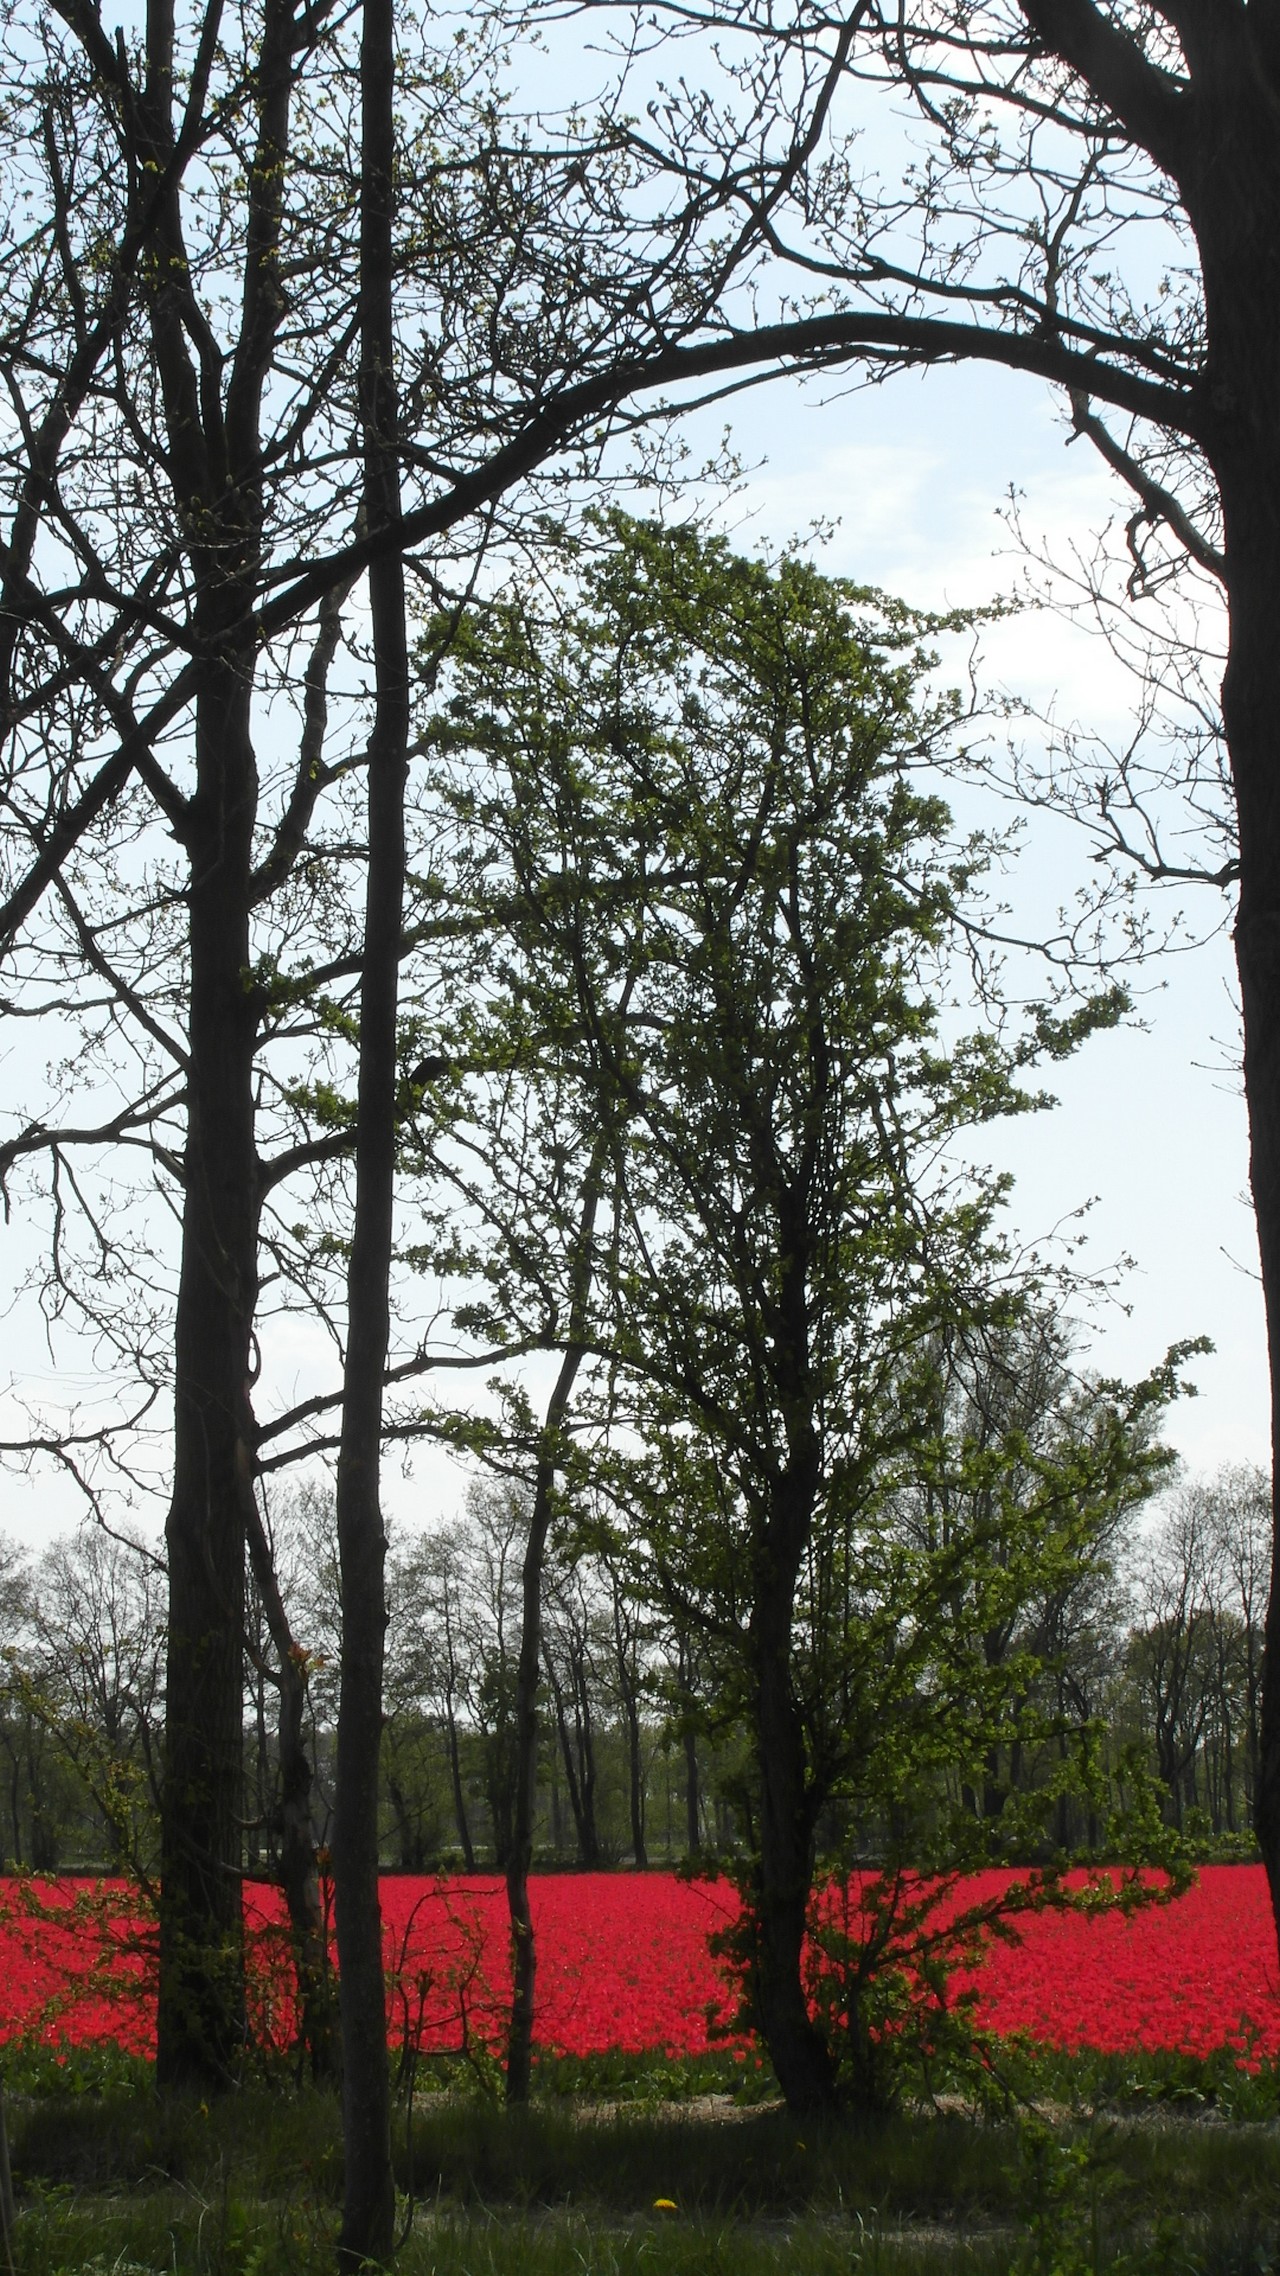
(524, 1957)
(626, 1656)
(368, 2212)
(1251, 706)
(458, 1791)
(200, 2024)
(299, 1862)
(214, 465)
(784, 1866)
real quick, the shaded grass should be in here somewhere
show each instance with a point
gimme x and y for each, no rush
(111, 2178)
(116, 2241)
(757, 2165)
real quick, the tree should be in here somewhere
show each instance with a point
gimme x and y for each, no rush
(712, 762)
(83, 1702)
(1046, 1476)
(96, 1671)
(1092, 195)
(430, 1680)
(1195, 1646)
(293, 1815)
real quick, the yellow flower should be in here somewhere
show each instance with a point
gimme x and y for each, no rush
(664, 2204)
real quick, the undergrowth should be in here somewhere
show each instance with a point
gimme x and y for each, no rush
(1064, 2165)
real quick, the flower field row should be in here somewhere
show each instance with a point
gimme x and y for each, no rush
(623, 1962)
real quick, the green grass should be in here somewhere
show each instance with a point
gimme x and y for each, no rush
(1125, 2171)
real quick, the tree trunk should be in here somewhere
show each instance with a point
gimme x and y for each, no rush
(368, 2210)
(1231, 187)
(459, 1794)
(524, 1957)
(626, 1653)
(687, 1676)
(577, 1753)
(214, 465)
(784, 1867)
(1251, 707)
(201, 2023)
(299, 1866)
(635, 1764)
(692, 1798)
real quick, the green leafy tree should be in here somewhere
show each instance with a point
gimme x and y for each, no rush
(707, 779)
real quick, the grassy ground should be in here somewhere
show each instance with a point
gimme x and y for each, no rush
(1157, 2167)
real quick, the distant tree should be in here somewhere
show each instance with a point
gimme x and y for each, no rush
(1045, 1474)
(572, 1648)
(1238, 1510)
(1195, 1648)
(40, 1797)
(431, 1667)
(96, 1672)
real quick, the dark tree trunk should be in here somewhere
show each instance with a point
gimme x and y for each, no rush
(214, 465)
(1229, 176)
(200, 2025)
(524, 1957)
(578, 1756)
(1251, 704)
(635, 1765)
(692, 1798)
(459, 1793)
(687, 1676)
(586, 1739)
(368, 2211)
(299, 1865)
(407, 1846)
(784, 1866)
(629, 1694)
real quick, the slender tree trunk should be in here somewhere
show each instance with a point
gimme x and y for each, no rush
(692, 1797)
(577, 1753)
(569, 1758)
(299, 1865)
(368, 2213)
(686, 1671)
(459, 1792)
(524, 1957)
(635, 1768)
(585, 1747)
(627, 1655)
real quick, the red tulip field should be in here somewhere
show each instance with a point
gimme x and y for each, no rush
(623, 1963)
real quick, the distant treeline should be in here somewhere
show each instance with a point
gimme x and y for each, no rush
(1149, 1659)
